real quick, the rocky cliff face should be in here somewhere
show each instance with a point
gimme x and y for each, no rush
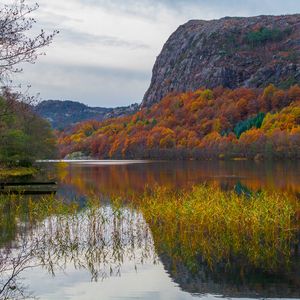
(229, 52)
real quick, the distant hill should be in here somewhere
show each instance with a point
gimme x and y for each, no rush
(229, 52)
(62, 114)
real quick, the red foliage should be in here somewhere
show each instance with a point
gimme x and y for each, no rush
(196, 124)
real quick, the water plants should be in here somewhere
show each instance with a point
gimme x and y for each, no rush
(17, 172)
(220, 227)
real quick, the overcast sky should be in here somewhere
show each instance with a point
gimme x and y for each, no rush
(106, 49)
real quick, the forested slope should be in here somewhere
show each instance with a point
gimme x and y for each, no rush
(204, 124)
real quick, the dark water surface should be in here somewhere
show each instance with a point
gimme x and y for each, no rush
(104, 253)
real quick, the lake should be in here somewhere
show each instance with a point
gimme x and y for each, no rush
(105, 249)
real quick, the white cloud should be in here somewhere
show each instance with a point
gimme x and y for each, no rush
(122, 36)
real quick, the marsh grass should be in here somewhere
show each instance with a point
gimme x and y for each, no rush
(17, 210)
(199, 226)
(218, 227)
(17, 172)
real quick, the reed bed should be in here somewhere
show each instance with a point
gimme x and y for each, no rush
(200, 225)
(18, 210)
(259, 230)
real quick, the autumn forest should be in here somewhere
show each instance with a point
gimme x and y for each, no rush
(220, 123)
(192, 192)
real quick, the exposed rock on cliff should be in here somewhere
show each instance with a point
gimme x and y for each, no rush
(229, 52)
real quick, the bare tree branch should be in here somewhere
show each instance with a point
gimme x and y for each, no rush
(16, 46)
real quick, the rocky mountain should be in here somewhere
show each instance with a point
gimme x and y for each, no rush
(230, 52)
(62, 114)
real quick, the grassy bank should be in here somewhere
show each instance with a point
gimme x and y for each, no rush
(17, 172)
(222, 227)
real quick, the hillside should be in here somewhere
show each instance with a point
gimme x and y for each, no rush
(230, 52)
(205, 124)
(62, 114)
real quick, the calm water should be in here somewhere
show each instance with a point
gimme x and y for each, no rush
(107, 253)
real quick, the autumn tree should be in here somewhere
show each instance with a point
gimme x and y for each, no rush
(205, 124)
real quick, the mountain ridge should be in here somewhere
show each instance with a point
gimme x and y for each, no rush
(231, 52)
(65, 113)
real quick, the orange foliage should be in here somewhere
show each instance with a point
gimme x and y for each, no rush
(197, 125)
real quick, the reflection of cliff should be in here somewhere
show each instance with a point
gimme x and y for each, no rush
(115, 179)
(100, 238)
(216, 242)
(230, 283)
(233, 276)
(180, 253)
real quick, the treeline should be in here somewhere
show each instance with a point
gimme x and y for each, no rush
(24, 136)
(205, 124)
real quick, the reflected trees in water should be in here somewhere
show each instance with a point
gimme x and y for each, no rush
(207, 239)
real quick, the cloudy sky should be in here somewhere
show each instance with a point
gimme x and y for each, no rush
(106, 49)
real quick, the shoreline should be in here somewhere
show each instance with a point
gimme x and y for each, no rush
(16, 172)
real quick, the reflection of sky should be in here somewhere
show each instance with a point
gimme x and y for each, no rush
(138, 278)
(105, 51)
(148, 282)
(123, 254)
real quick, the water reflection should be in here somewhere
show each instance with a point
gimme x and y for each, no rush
(116, 179)
(89, 230)
(231, 277)
(98, 239)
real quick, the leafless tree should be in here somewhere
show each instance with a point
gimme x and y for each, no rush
(16, 44)
(12, 264)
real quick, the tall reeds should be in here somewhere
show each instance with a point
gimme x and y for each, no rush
(259, 230)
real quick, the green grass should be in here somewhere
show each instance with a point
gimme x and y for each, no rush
(17, 172)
